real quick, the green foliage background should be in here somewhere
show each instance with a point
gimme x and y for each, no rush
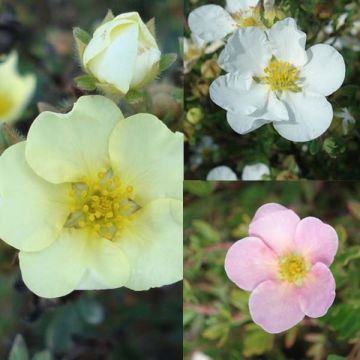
(113, 324)
(332, 156)
(216, 316)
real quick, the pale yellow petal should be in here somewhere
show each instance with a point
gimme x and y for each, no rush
(153, 244)
(107, 266)
(56, 270)
(65, 147)
(149, 157)
(32, 211)
(16, 90)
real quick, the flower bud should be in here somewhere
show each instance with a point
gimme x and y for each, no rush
(122, 54)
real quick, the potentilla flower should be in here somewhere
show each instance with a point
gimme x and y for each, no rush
(212, 22)
(255, 172)
(221, 173)
(93, 200)
(272, 78)
(285, 264)
(122, 54)
(16, 90)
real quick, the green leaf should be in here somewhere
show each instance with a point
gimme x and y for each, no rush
(151, 26)
(134, 97)
(19, 349)
(314, 147)
(199, 188)
(166, 61)
(206, 231)
(354, 207)
(335, 357)
(91, 311)
(81, 35)
(257, 341)
(82, 38)
(43, 355)
(108, 17)
(85, 82)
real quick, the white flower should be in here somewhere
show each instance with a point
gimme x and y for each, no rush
(272, 78)
(255, 172)
(122, 54)
(346, 118)
(212, 22)
(221, 173)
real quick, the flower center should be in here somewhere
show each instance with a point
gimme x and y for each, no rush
(293, 268)
(6, 104)
(281, 76)
(102, 204)
(250, 17)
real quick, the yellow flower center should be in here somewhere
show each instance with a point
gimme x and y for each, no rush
(281, 76)
(293, 268)
(6, 104)
(102, 204)
(250, 17)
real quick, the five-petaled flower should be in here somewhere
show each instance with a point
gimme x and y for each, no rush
(212, 22)
(273, 79)
(15, 90)
(94, 201)
(284, 263)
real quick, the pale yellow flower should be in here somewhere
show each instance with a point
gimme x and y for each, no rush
(16, 90)
(94, 201)
(122, 54)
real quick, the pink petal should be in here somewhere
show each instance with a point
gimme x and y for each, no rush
(249, 262)
(318, 291)
(276, 227)
(267, 209)
(316, 240)
(274, 306)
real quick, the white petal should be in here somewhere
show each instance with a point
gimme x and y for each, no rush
(238, 93)
(221, 173)
(288, 42)
(211, 22)
(234, 6)
(310, 116)
(255, 172)
(243, 124)
(248, 50)
(325, 71)
(275, 109)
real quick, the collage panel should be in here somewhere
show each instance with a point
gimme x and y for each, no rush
(91, 244)
(272, 90)
(261, 260)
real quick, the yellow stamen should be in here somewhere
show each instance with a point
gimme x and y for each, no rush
(281, 76)
(293, 268)
(6, 104)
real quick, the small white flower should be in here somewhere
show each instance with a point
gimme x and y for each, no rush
(197, 355)
(221, 173)
(255, 172)
(272, 78)
(212, 22)
(346, 118)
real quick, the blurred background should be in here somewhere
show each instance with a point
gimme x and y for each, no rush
(210, 140)
(113, 324)
(217, 324)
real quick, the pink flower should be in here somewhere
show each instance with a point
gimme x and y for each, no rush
(284, 263)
